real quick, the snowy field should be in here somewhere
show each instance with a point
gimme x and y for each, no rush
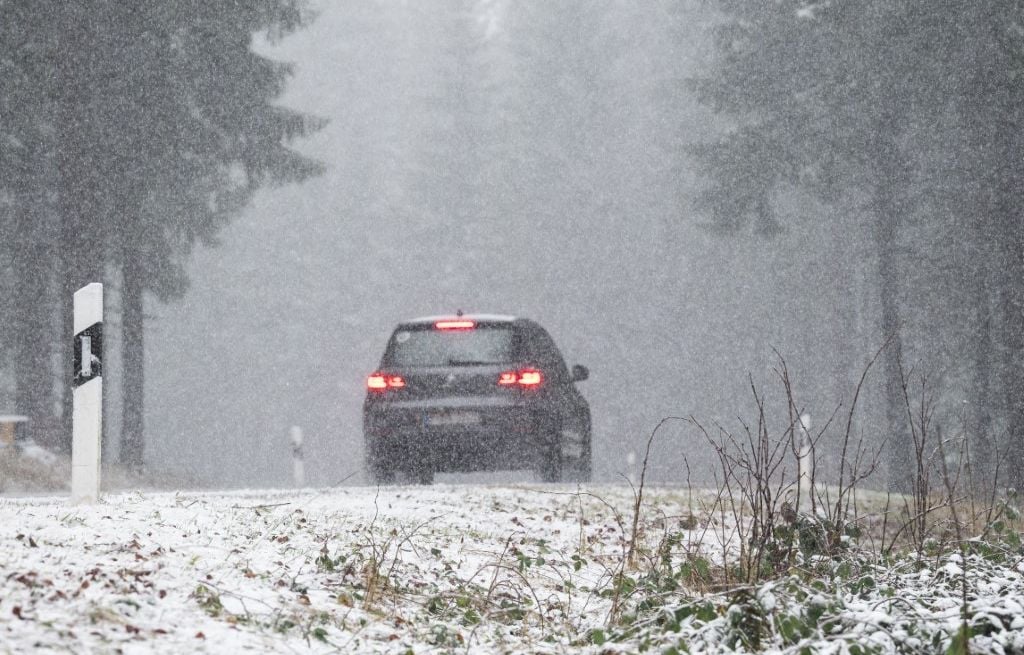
(452, 569)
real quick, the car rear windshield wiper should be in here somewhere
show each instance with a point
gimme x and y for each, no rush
(468, 362)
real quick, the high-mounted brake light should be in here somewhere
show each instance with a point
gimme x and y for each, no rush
(381, 382)
(527, 377)
(455, 325)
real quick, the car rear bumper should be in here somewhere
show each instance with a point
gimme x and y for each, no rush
(457, 436)
(453, 451)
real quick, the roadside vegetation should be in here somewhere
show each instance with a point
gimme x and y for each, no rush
(792, 552)
(806, 566)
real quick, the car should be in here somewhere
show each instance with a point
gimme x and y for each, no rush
(475, 392)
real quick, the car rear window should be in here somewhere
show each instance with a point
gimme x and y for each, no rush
(419, 346)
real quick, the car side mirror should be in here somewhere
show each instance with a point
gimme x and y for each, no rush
(580, 373)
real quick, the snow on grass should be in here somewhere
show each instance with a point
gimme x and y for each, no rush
(352, 569)
(461, 569)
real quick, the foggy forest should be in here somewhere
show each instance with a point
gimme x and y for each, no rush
(696, 198)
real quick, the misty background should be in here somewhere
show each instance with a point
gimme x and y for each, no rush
(487, 161)
(543, 159)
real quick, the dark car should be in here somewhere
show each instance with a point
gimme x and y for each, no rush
(475, 393)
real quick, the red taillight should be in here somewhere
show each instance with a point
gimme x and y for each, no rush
(527, 377)
(381, 382)
(455, 325)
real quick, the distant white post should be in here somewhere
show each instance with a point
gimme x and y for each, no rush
(87, 418)
(298, 468)
(631, 467)
(806, 461)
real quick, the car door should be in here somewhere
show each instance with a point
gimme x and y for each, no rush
(566, 400)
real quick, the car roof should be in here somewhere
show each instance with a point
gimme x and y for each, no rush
(480, 318)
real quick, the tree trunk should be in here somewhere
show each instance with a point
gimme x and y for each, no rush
(31, 326)
(132, 361)
(982, 441)
(1012, 318)
(899, 447)
(27, 173)
(989, 175)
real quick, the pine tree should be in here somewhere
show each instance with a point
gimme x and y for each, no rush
(151, 125)
(840, 98)
(200, 112)
(823, 96)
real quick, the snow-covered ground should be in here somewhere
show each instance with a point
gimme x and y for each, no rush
(448, 568)
(352, 569)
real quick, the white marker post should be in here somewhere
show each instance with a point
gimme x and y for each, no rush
(298, 467)
(88, 394)
(806, 463)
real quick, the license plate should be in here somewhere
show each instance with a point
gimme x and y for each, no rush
(452, 418)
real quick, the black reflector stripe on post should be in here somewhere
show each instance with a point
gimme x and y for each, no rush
(88, 358)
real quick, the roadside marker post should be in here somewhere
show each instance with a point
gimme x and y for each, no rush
(87, 382)
(298, 465)
(631, 467)
(806, 463)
